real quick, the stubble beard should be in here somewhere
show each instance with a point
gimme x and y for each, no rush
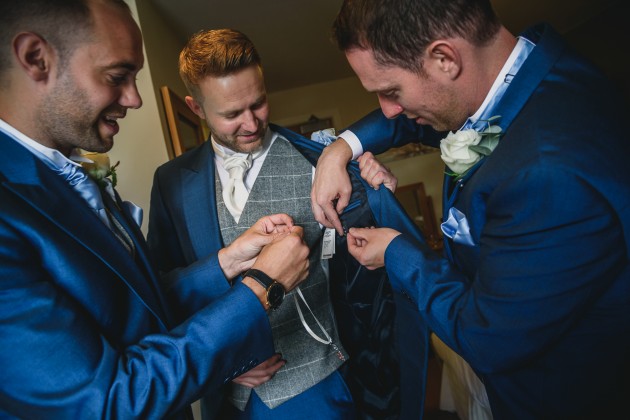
(69, 121)
(231, 142)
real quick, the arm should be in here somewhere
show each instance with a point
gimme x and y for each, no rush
(536, 279)
(193, 281)
(378, 134)
(190, 282)
(205, 280)
(67, 356)
(331, 186)
(82, 344)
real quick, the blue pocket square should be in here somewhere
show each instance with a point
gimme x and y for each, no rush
(456, 227)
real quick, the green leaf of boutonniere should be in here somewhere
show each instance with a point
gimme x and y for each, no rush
(99, 169)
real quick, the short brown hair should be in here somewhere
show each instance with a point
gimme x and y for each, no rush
(399, 31)
(216, 53)
(63, 23)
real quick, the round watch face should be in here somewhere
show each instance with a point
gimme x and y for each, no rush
(275, 295)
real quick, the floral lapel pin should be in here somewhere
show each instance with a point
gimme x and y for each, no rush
(462, 149)
(98, 167)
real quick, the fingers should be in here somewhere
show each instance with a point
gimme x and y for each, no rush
(375, 173)
(261, 373)
(297, 230)
(242, 252)
(326, 214)
(357, 240)
(332, 216)
(285, 259)
(368, 245)
(330, 200)
(331, 186)
(319, 214)
(274, 223)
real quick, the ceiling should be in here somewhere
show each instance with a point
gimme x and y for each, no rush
(293, 36)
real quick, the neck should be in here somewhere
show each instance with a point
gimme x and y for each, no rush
(487, 61)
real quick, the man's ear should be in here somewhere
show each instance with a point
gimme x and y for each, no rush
(34, 55)
(195, 107)
(445, 58)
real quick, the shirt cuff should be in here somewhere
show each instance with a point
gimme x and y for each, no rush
(353, 141)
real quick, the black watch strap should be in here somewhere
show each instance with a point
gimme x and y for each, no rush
(263, 279)
(275, 291)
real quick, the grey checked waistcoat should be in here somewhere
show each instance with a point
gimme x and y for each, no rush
(283, 186)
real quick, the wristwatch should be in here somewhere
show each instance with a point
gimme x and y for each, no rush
(275, 291)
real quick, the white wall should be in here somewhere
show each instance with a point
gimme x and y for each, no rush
(139, 146)
(344, 100)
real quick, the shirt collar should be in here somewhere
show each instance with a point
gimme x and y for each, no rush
(52, 157)
(508, 71)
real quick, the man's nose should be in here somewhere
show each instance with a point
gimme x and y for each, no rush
(390, 108)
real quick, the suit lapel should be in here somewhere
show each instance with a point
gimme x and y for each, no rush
(47, 193)
(538, 64)
(147, 286)
(200, 214)
(549, 47)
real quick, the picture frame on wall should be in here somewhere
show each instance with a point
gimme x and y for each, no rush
(184, 126)
(306, 128)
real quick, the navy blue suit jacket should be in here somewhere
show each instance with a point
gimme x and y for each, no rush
(540, 304)
(381, 330)
(85, 330)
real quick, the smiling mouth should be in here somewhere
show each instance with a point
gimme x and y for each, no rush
(111, 122)
(251, 136)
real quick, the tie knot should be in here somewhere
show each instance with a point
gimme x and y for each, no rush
(80, 182)
(237, 164)
(73, 174)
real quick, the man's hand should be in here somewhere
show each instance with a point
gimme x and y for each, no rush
(331, 187)
(375, 173)
(368, 245)
(285, 259)
(241, 254)
(261, 373)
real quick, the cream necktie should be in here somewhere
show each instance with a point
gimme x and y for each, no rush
(235, 193)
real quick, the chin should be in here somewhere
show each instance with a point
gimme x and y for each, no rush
(104, 145)
(251, 146)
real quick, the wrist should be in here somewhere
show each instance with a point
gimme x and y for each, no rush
(274, 292)
(228, 266)
(259, 291)
(338, 152)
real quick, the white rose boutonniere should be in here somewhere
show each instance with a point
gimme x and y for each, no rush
(98, 167)
(461, 150)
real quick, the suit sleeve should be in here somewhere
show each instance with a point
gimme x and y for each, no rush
(378, 134)
(529, 288)
(59, 361)
(189, 286)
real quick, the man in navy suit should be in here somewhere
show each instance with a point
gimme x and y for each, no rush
(192, 214)
(86, 331)
(534, 287)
